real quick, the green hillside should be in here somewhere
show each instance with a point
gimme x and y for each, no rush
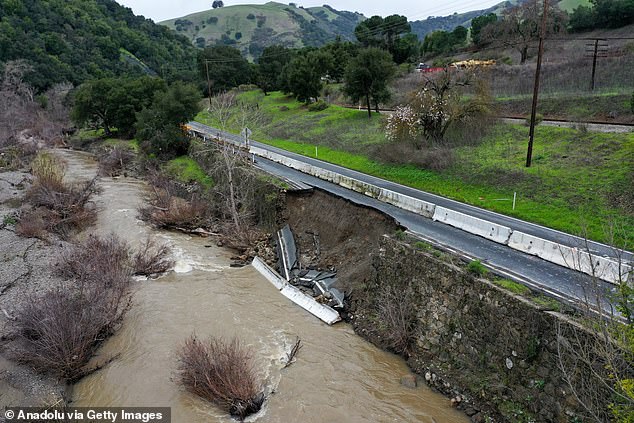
(76, 40)
(251, 28)
(570, 5)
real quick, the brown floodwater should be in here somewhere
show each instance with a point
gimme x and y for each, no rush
(337, 377)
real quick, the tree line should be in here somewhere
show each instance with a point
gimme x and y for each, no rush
(518, 26)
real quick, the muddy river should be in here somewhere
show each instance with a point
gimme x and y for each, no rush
(338, 377)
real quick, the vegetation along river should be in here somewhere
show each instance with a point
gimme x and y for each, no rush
(337, 377)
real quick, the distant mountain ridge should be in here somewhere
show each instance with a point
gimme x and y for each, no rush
(251, 28)
(449, 23)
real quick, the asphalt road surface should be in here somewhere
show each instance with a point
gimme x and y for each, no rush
(565, 284)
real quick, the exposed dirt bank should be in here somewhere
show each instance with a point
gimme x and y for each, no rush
(334, 233)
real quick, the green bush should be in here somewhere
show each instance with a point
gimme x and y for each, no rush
(420, 245)
(632, 103)
(318, 106)
(477, 268)
(167, 143)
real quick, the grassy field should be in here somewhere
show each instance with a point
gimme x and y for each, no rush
(570, 5)
(579, 182)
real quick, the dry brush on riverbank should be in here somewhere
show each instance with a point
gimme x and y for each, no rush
(58, 331)
(238, 203)
(223, 372)
(57, 206)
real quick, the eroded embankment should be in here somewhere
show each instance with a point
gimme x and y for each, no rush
(496, 354)
(334, 233)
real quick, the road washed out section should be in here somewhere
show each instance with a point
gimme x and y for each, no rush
(574, 258)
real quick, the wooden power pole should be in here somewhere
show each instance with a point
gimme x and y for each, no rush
(540, 53)
(208, 82)
(597, 49)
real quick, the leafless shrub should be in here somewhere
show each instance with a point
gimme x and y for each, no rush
(596, 355)
(115, 161)
(98, 261)
(69, 204)
(33, 223)
(222, 372)
(397, 312)
(152, 258)
(171, 212)
(58, 331)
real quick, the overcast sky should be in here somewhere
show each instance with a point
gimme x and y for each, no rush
(160, 10)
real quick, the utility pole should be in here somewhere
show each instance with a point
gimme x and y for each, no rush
(596, 49)
(594, 63)
(540, 53)
(208, 82)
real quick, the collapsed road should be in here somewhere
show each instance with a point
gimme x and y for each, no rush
(557, 280)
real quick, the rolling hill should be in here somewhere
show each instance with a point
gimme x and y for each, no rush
(251, 28)
(76, 40)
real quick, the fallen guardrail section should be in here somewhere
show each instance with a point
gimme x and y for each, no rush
(574, 258)
(320, 282)
(308, 303)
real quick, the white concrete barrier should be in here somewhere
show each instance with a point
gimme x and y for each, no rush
(325, 313)
(474, 225)
(394, 198)
(270, 274)
(571, 257)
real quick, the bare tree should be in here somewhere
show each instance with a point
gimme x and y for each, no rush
(17, 106)
(20, 111)
(520, 26)
(221, 108)
(437, 106)
(248, 115)
(597, 358)
(234, 187)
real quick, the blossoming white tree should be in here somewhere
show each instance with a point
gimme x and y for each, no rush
(437, 106)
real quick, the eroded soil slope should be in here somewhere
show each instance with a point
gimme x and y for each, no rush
(334, 233)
